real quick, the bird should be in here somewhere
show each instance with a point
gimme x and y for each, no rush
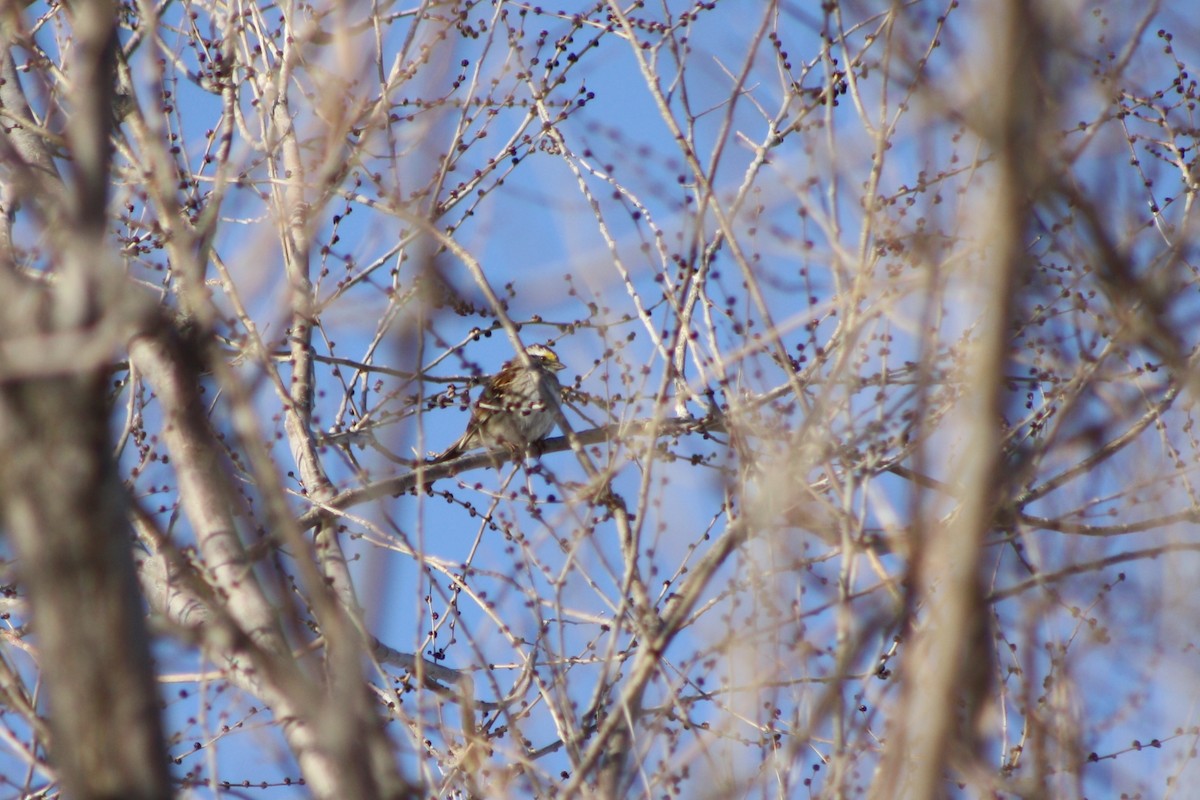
(516, 407)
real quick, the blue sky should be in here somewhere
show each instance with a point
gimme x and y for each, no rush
(536, 230)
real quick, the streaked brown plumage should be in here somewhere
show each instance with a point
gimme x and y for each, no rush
(515, 408)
